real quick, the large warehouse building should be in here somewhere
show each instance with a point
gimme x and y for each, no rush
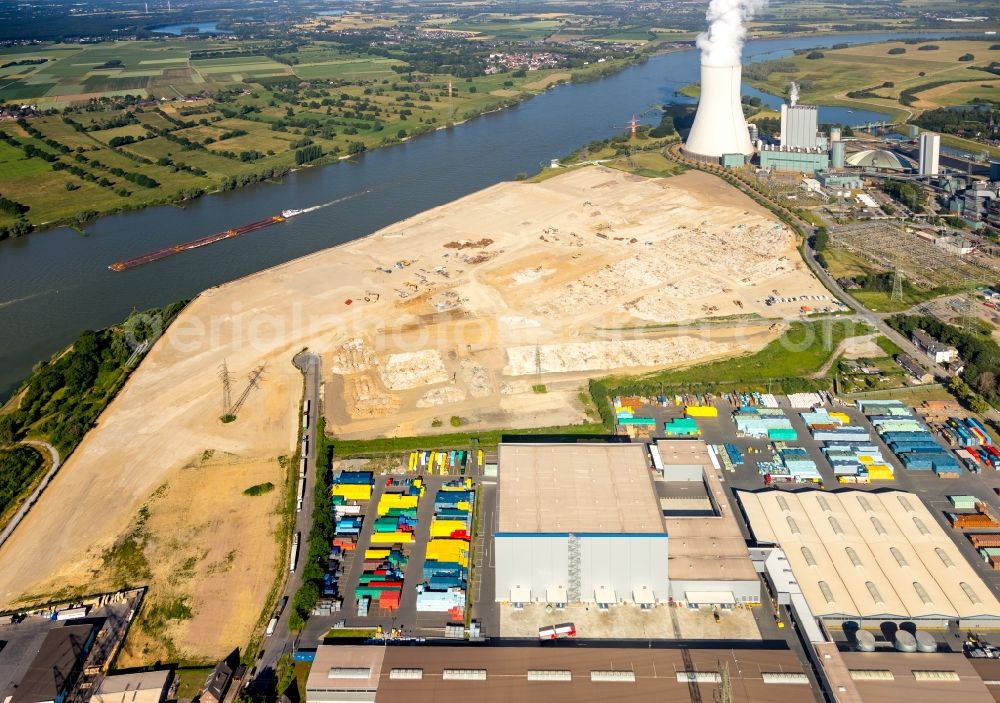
(709, 561)
(578, 523)
(871, 557)
(354, 673)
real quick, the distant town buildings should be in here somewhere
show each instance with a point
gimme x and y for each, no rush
(501, 62)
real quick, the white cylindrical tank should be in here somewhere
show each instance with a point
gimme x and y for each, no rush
(719, 126)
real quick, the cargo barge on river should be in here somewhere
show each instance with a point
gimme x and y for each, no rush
(204, 241)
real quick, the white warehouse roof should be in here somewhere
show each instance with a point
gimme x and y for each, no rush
(865, 554)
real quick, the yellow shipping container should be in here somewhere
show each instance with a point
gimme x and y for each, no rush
(439, 549)
(865, 459)
(464, 505)
(444, 528)
(392, 537)
(842, 418)
(376, 553)
(880, 472)
(395, 500)
(413, 461)
(701, 411)
(352, 491)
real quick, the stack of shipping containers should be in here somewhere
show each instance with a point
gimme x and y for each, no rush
(441, 462)
(350, 493)
(908, 438)
(446, 567)
(384, 566)
(759, 421)
(972, 442)
(852, 453)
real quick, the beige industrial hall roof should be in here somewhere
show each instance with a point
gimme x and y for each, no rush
(704, 548)
(866, 554)
(576, 488)
(140, 687)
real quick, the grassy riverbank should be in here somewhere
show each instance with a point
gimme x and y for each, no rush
(65, 395)
(221, 121)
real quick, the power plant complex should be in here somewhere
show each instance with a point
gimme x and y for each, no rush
(721, 134)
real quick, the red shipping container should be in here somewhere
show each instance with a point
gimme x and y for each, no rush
(389, 600)
(460, 534)
(985, 539)
(390, 584)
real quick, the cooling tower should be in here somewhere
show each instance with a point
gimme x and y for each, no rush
(719, 126)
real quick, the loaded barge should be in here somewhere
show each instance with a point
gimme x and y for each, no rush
(204, 241)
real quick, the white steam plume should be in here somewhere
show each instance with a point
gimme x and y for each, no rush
(722, 44)
(793, 94)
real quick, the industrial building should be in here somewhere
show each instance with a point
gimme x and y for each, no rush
(709, 562)
(871, 557)
(56, 665)
(930, 153)
(554, 674)
(843, 182)
(578, 523)
(838, 153)
(890, 676)
(799, 127)
(140, 687)
(877, 159)
(804, 160)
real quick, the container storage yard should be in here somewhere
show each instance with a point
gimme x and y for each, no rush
(908, 438)
(447, 561)
(849, 449)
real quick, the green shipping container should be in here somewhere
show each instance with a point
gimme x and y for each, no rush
(373, 591)
(646, 421)
(781, 434)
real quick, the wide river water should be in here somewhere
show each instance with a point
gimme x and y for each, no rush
(56, 283)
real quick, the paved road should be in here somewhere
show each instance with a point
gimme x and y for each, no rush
(9, 528)
(283, 640)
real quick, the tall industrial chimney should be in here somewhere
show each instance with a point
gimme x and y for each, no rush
(719, 126)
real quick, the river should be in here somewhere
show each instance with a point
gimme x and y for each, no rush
(56, 283)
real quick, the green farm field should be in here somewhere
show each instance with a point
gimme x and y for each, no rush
(828, 80)
(195, 116)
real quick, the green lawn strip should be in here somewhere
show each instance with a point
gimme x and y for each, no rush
(344, 448)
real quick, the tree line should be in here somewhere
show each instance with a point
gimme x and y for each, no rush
(978, 351)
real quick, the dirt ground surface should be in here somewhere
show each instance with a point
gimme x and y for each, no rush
(457, 311)
(631, 622)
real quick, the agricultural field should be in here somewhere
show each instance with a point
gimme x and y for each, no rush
(71, 73)
(934, 77)
(197, 118)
